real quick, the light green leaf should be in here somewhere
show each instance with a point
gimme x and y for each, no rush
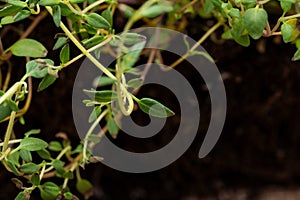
(95, 113)
(154, 108)
(135, 83)
(107, 15)
(61, 41)
(98, 21)
(7, 20)
(23, 196)
(103, 81)
(28, 48)
(9, 10)
(32, 132)
(38, 69)
(97, 39)
(287, 32)
(32, 144)
(48, 2)
(44, 154)
(255, 21)
(17, 3)
(286, 5)
(55, 146)
(113, 127)
(296, 55)
(156, 10)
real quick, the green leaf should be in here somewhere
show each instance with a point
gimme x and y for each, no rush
(68, 174)
(154, 108)
(32, 144)
(77, 1)
(46, 82)
(17, 3)
(23, 14)
(287, 32)
(14, 158)
(107, 15)
(29, 168)
(243, 40)
(44, 154)
(234, 12)
(98, 21)
(97, 39)
(95, 113)
(55, 146)
(7, 20)
(35, 179)
(113, 127)
(286, 5)
(255, 21)
(13, 167)
(49, 191)
(94, 138)
(38, 69)
(9, 10)
(83, 186)
(49, 2)
(135, 83)
(131, 38)
(23, 196)
(296, 55)
(65, 54)
(28, 48)
(68, 195)
(156, 10)
(129, 59)
(7, 107)
(32, 132)
(102, 96)
(26, 155)
(56, 14)
(59, 167)
(103, 81)
(61, 41)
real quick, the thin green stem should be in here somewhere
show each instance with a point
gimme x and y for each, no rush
(9, 131)
(90, 131)
(82, 49)
(93, 5)
(290, 17)
(11, 142)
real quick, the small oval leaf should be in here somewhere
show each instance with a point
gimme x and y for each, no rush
(28, 48)
(154, 108)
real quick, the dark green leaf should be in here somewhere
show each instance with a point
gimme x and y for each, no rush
(44, 154)
(88, 43)
(68, 196)
(61, 41)
(23, 14)
(98, 21)
(13, 167)
(55, 146)
(154, 108)
(26, 155)
(7, 107)
(68, 174)
(59, 167)
(23, 196)
(9, 10)
(29, 168)
(28, 48)
(83, 186)
(102, 96)
(14, 158)
(46, 82)
(156, 10)
(56, 14)
(255, 21)
(65, 54)
(35, 179)
(32, 144)
(77, 1)
(49, 191)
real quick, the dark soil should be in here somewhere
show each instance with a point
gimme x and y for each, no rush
(259, 146)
